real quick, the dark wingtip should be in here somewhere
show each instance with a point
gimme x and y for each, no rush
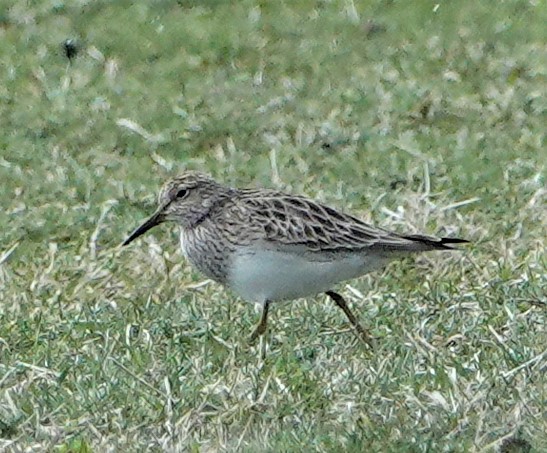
(445, 243)
(454, 241)
(432, 243)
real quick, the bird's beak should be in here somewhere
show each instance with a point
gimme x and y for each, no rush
(155, 219)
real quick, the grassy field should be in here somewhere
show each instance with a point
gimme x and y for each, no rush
(417, 116)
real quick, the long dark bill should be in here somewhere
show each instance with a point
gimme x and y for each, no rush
(155, 219)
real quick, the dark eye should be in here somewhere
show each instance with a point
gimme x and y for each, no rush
(182, 193)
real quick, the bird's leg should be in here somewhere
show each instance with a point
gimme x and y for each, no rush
(340, 301)
(260, 329)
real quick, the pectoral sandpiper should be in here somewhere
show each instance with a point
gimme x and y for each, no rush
(269, 246)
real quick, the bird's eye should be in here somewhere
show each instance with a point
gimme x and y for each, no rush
(182, 193)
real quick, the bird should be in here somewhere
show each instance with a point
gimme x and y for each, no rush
(268, 246)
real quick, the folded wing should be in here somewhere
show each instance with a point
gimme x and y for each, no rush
(300, 222)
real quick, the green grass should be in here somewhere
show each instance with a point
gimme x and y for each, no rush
(396, 120)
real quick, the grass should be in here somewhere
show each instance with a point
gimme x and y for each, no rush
(413, 115)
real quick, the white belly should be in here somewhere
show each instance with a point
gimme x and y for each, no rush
(270, 275)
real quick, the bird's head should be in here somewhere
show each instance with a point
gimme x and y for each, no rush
(186, 200)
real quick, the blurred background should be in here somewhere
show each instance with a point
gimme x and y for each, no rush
(418, 116)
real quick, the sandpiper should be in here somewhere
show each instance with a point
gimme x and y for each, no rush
(269, 246)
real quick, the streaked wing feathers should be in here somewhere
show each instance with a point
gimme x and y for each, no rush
(298, 221)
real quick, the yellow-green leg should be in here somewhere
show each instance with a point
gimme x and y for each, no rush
(262, 326)
(340, 301)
